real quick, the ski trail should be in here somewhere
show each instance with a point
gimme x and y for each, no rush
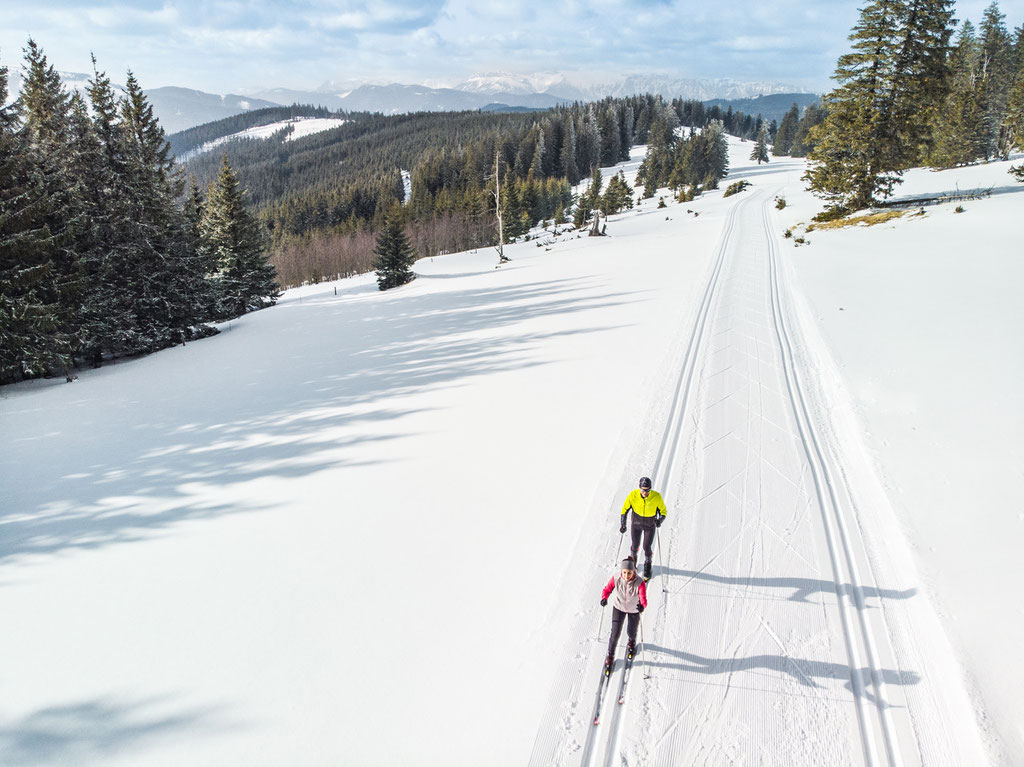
(785, 631)
(754, 477)
(577, 676)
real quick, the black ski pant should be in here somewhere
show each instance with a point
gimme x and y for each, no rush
(647, 531)
(617, 617)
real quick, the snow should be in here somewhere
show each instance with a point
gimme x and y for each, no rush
(366, 527)
(406, 186)
(303, 126)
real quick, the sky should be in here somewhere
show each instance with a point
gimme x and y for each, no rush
(241, 46)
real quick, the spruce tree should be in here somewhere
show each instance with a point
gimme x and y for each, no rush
(802, 143)
(787, 130)
(959, 132)
(996, 80)
(232, 239)
(919, 82)
(152, 304)
(27, 250)
(1015, 102)
(45, 112)
(568, 158)
(853, 156)
(760, 152)
(394, 254)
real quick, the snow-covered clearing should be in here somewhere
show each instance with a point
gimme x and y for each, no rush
(406, 186)
(302, 126)
(370, 528)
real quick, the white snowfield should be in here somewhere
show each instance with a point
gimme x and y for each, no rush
(372, 528)
(302, 126)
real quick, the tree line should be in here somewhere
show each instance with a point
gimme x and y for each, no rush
(909, 94)
(325, 192)
(102, 252)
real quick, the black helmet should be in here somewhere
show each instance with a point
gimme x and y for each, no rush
(645, 483)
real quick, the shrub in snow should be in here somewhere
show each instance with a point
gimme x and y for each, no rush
(736, 188)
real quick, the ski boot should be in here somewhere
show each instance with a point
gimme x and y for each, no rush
(647, 570)
(608, 665)
(630, 650)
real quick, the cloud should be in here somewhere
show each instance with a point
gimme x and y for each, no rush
(226, 45)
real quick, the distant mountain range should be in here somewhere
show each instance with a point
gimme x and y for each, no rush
(772, 107)
(182, 108)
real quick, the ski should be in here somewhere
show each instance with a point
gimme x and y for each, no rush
(625, 679)
(605, 682)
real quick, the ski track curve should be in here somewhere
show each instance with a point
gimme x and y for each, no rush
(771, 640)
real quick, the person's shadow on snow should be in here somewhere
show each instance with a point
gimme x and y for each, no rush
(801, 588)
(802, 670)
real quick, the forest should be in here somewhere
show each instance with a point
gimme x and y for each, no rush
(105, 252)
(110, 247)
(322, 196)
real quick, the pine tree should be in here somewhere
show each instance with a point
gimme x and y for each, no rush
(919, 82)
(153, 303)
(200, 261)
(26, 257)
(568, 158)
(611, 137)
(1015, 102)
(996, 80)
(856, 155)
(394, 254)
(715, 149)
(45, 112)
(787, 130)
(959, 135)
(760, 152)
(232, 239)
(802, 143)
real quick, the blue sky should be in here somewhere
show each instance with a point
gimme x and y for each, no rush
(242, 45)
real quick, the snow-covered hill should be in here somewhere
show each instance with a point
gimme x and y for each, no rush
(365, 527)
(300, 127)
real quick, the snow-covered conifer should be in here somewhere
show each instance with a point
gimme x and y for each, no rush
(394, 254)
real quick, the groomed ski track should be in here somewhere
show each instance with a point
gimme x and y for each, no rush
(784, 625)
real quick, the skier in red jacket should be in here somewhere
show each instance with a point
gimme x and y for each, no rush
(629, 601)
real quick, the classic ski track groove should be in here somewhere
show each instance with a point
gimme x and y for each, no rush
(670, 442)
(822, 484)
(825, 488)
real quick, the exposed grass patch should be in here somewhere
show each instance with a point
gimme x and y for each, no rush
(869, 219)
(736, 188)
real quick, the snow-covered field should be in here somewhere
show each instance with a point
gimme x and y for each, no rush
(365, 528)
(302, 126)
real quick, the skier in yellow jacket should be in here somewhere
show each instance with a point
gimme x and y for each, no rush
(649, 512)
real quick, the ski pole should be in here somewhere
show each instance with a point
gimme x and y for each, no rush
(661, 563)
(600, 623)
(643, 648)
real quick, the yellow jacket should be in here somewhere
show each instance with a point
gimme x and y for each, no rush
(645, 507)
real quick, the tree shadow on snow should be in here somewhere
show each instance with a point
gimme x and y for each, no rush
(129, 453)
(96, 729)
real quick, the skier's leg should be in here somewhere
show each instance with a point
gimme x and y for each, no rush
(649, 542)
(617, 616)
(635, 532)
(631, 627)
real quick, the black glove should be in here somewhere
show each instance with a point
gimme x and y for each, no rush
(639, 608)
(622, 527)
(604, 602)
(658, 519)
